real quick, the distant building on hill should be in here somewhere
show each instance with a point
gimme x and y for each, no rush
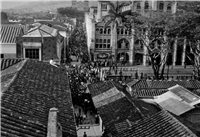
(79, 5)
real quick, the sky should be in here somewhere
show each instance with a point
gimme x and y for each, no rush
(7, 4)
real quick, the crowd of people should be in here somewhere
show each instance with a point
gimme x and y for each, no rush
(79, 77)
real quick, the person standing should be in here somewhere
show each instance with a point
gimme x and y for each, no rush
(84, 135)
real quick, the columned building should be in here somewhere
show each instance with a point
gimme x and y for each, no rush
(100, 43)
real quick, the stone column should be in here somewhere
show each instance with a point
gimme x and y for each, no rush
(132, 52)
(183, 54)
(175, 52)
(145, 49)
(114, 41)
(99, 14)
(174, 7)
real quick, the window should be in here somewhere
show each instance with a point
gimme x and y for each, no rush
(101, 31)
(146, 5)
(32, 53)
(161, 6)
(138, 6)
(122, 31)
(102, 43)
(118, 30)
(97, 46)
(2, 56)
(95, 10)
(104, 31)
(169, 7)
(97, 30)
(104, 6)
(108, 31)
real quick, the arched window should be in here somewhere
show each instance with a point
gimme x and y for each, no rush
(138, 6)
(101, 30)
(161, 6)
(97, 30)
(105, 30)
(146, 5)
(169, 7)
(108, 31)
(122, 31)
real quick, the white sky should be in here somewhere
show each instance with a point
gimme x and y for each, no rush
(6, 4)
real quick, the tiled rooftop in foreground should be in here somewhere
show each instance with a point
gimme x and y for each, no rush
(161, 124)
(37, 88)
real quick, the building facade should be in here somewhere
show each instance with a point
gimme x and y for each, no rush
(9, 32)
(100, 42)
(41, 43)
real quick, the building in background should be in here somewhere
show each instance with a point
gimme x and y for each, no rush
(79, 5)
(9, 32)
(99, 38)
(41, 42)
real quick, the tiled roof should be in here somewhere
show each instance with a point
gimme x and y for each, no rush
(38, 87)
(149, 92)
(99, 87)
(161, 124)
(116, 112)
(156, 84)
(10, 32)
(6, 63)
(19, 125)
(41, 31)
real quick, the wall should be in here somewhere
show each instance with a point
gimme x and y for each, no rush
(49, 49)
(8, 49)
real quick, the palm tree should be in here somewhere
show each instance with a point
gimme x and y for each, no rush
(117, 18)
(114, 19)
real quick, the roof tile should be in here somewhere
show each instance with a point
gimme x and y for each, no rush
(161, 124)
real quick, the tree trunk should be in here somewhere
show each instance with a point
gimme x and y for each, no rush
(145, 49)
(162, 71)
(175, 51)
(183, 54)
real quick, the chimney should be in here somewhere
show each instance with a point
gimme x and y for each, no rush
(99, 14)
(54, 128)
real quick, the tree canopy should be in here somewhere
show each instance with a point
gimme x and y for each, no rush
(72, 13)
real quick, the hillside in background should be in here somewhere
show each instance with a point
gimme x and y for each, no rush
(52, 5)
